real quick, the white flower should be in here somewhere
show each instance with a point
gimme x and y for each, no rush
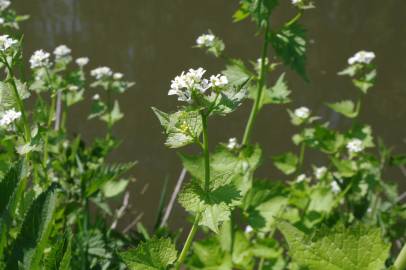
(232, 143)
(184, 84)
(40, 58)
(301, 178)
(62, 51)
(248, 229)
(320, 172)
(73, 88)
(4, 4)
(101, 72)
(355, 146)
(205, 40)
(2, 20)
(9, 117)
(118, 76)
(302, 113)
(96, 97)
(6, 42)
(362, 57)
(296, 2)
(82, 61)
(335, 188)
(218, 80)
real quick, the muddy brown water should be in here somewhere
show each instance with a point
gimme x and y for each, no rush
(151, 41)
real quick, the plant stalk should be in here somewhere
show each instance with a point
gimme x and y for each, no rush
(400, 263)
(188, 242)
(206, 153)
(261, 82)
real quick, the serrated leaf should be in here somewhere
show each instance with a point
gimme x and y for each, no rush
(156, 253)
(289, 44)
(287, 163)
(182, 128)
(237, 73)
(346, 108)
(277, 94)
(357, 247)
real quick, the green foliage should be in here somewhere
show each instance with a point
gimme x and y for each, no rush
(339, 248)
(346, 108)
(153, 254)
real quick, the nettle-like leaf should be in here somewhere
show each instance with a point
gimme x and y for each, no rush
(208, 254)
(7, 95)
(258, 10)
(156, 253)
(289, 44)
(114, 115)
(215, 205)
(339, 248)
(182, 128)
(237, 73)
(265, 202)
(277, 94)
(29, 247)
(230, 177)
(346, 108)
(229, 100)
(287, 163)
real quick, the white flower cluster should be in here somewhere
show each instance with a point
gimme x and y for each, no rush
(82, 61)
(320, 172)
(39, 59)
(4, 4)
(9, 117)
(302, 113)
(101, 72)
(62, 51)
(205, 40)
(6, 42)
(301, 178)
(355, 146)
(362, 57)
(193, 80)
(118, 76)
(232, 144)
(335, 188)
(296, 2)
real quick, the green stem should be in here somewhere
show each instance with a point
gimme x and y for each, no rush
(400, 263)
(261, 263)
(20, 104)
(50, 118)
(206, 153)
(256, 106)
(109, 109)
(188, 242)
(302, 153)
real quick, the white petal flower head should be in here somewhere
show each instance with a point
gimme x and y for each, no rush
(118, 76)
(335, 188)
(40, 58)
(4, 4)
(205, 40)
(362, 57)
(62, 51)
(218, 80)
(296, 2)
(248, 229)
(232, 144)
(355, 146)
(101, 72)
(302, 113)
(184, 84)
(6, 43)
(320, 172)
(301, 178)
(82, 61)
(73, 88)
(9, 117)
(2, 20)
(96, 97)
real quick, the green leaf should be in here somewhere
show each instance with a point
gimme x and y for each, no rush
(289, 44)
(114, 116)
(33, 239)
(182, 128)
(346, 108)
(151, 255)
(357, 247)
(114, 188)
(277, 94)
(237, 73)
(287, 163)
(209, 255)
